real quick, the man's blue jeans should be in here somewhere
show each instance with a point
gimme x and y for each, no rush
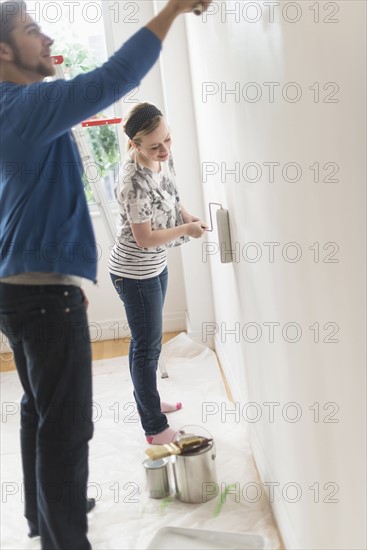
(143, 300)
(48, 332)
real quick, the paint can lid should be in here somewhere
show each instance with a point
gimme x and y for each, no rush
(155, 464)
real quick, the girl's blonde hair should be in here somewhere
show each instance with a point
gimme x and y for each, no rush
(146, 129)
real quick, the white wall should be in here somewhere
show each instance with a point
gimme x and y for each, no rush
(231, 129)
(227, 53)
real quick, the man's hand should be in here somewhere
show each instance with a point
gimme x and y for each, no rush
(184, 6)
(85, 299)
(161, 24)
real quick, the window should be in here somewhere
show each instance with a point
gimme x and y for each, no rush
(79, 34)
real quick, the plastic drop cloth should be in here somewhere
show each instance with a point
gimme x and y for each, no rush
(125, 517)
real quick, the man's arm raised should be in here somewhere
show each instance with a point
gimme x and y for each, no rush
(161, 24)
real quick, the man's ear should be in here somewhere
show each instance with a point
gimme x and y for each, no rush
(6, 52)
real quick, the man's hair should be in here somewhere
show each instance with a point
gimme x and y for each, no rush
(8, 12)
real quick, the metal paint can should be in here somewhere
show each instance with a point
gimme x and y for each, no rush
(157, 479)
(194, 475)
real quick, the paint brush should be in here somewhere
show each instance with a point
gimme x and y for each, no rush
(186, 444)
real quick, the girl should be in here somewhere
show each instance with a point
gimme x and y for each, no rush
(151, 219)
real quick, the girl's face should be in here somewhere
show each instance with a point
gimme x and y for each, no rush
(156, 145)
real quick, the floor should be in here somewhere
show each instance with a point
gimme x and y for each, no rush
(125, 517)
(106, 349)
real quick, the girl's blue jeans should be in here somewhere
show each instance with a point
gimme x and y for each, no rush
(143, 300)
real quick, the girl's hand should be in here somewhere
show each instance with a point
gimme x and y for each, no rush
(195, 229)
(188, 218)
(202, 223)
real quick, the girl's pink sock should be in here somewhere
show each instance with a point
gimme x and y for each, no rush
(167, 436)
(168, 408)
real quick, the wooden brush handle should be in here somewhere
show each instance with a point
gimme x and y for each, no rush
(190, 443)
(155, 452)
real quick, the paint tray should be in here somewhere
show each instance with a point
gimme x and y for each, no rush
(200, 539)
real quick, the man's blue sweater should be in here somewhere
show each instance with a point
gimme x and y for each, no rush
(45, 224)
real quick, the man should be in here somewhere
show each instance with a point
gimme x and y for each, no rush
(46, 246)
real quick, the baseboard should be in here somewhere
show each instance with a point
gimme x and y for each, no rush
(265, 472)
(225, 364)
(4, 344)
(281, 516)
(174, 322)
(116, 329)
(197, 336)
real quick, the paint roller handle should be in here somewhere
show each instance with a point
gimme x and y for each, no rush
(198, 8)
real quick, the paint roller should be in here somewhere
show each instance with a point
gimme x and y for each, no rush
(224, 233)
(198, 9)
